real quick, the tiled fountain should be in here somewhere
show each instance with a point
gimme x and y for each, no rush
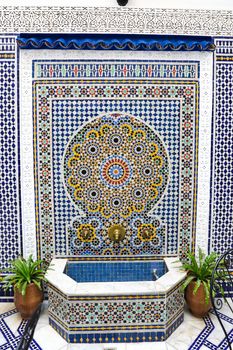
(115, 286)
(106, 212)
(115, 171)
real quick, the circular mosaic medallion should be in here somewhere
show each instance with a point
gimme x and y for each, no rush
(116, 165)
(115, 172)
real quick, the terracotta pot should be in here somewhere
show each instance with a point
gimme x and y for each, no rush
(196, 302)
(27, 304)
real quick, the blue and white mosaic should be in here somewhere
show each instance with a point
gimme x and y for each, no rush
(207, 340)
(9, 339)
(205, 107)
(10, 232)
(224, 48)
(221, 215)
(222, 167)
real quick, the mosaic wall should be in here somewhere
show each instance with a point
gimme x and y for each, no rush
(115, 318)
(191, 22)
(10, 225)
(169, 107)
(222, 167)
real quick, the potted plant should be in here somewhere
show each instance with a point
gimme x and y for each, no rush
(26, 277)
(197, 284)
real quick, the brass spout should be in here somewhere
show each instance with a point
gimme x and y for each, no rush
(116, 233)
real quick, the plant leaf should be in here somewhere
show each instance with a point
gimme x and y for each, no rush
(22, 272)
(197, 286)
(188, 280)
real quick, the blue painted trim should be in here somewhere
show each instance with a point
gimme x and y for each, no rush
(130, 42)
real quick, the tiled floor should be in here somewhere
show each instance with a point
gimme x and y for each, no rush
(193, 334)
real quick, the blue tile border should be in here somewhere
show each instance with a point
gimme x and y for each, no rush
(110, 337)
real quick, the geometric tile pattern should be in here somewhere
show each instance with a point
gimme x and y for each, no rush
(10, 248)
(109, 155)
(224, 47)
(202, 340)
(111, 316)
(8, 45)
(126, 20)
(120, 337)
(167, 70)
(49, 93)
(115, 318)
(222, 180)
(116, 169)
(167, 122)
(12, 339)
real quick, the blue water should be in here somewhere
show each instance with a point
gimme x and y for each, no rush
(115, 271)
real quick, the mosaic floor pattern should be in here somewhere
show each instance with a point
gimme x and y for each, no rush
(193, 334)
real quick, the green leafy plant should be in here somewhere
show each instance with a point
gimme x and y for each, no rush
(200, 270)
(22, 272)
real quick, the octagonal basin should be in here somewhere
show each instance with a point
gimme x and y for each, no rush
(116, 300)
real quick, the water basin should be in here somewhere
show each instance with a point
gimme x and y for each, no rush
(124, 271)
(88, 304)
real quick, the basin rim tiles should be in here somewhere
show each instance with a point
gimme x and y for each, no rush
(67, 286)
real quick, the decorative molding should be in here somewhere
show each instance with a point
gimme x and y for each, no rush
(116, 42)
(166, 70)
(111, 19)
